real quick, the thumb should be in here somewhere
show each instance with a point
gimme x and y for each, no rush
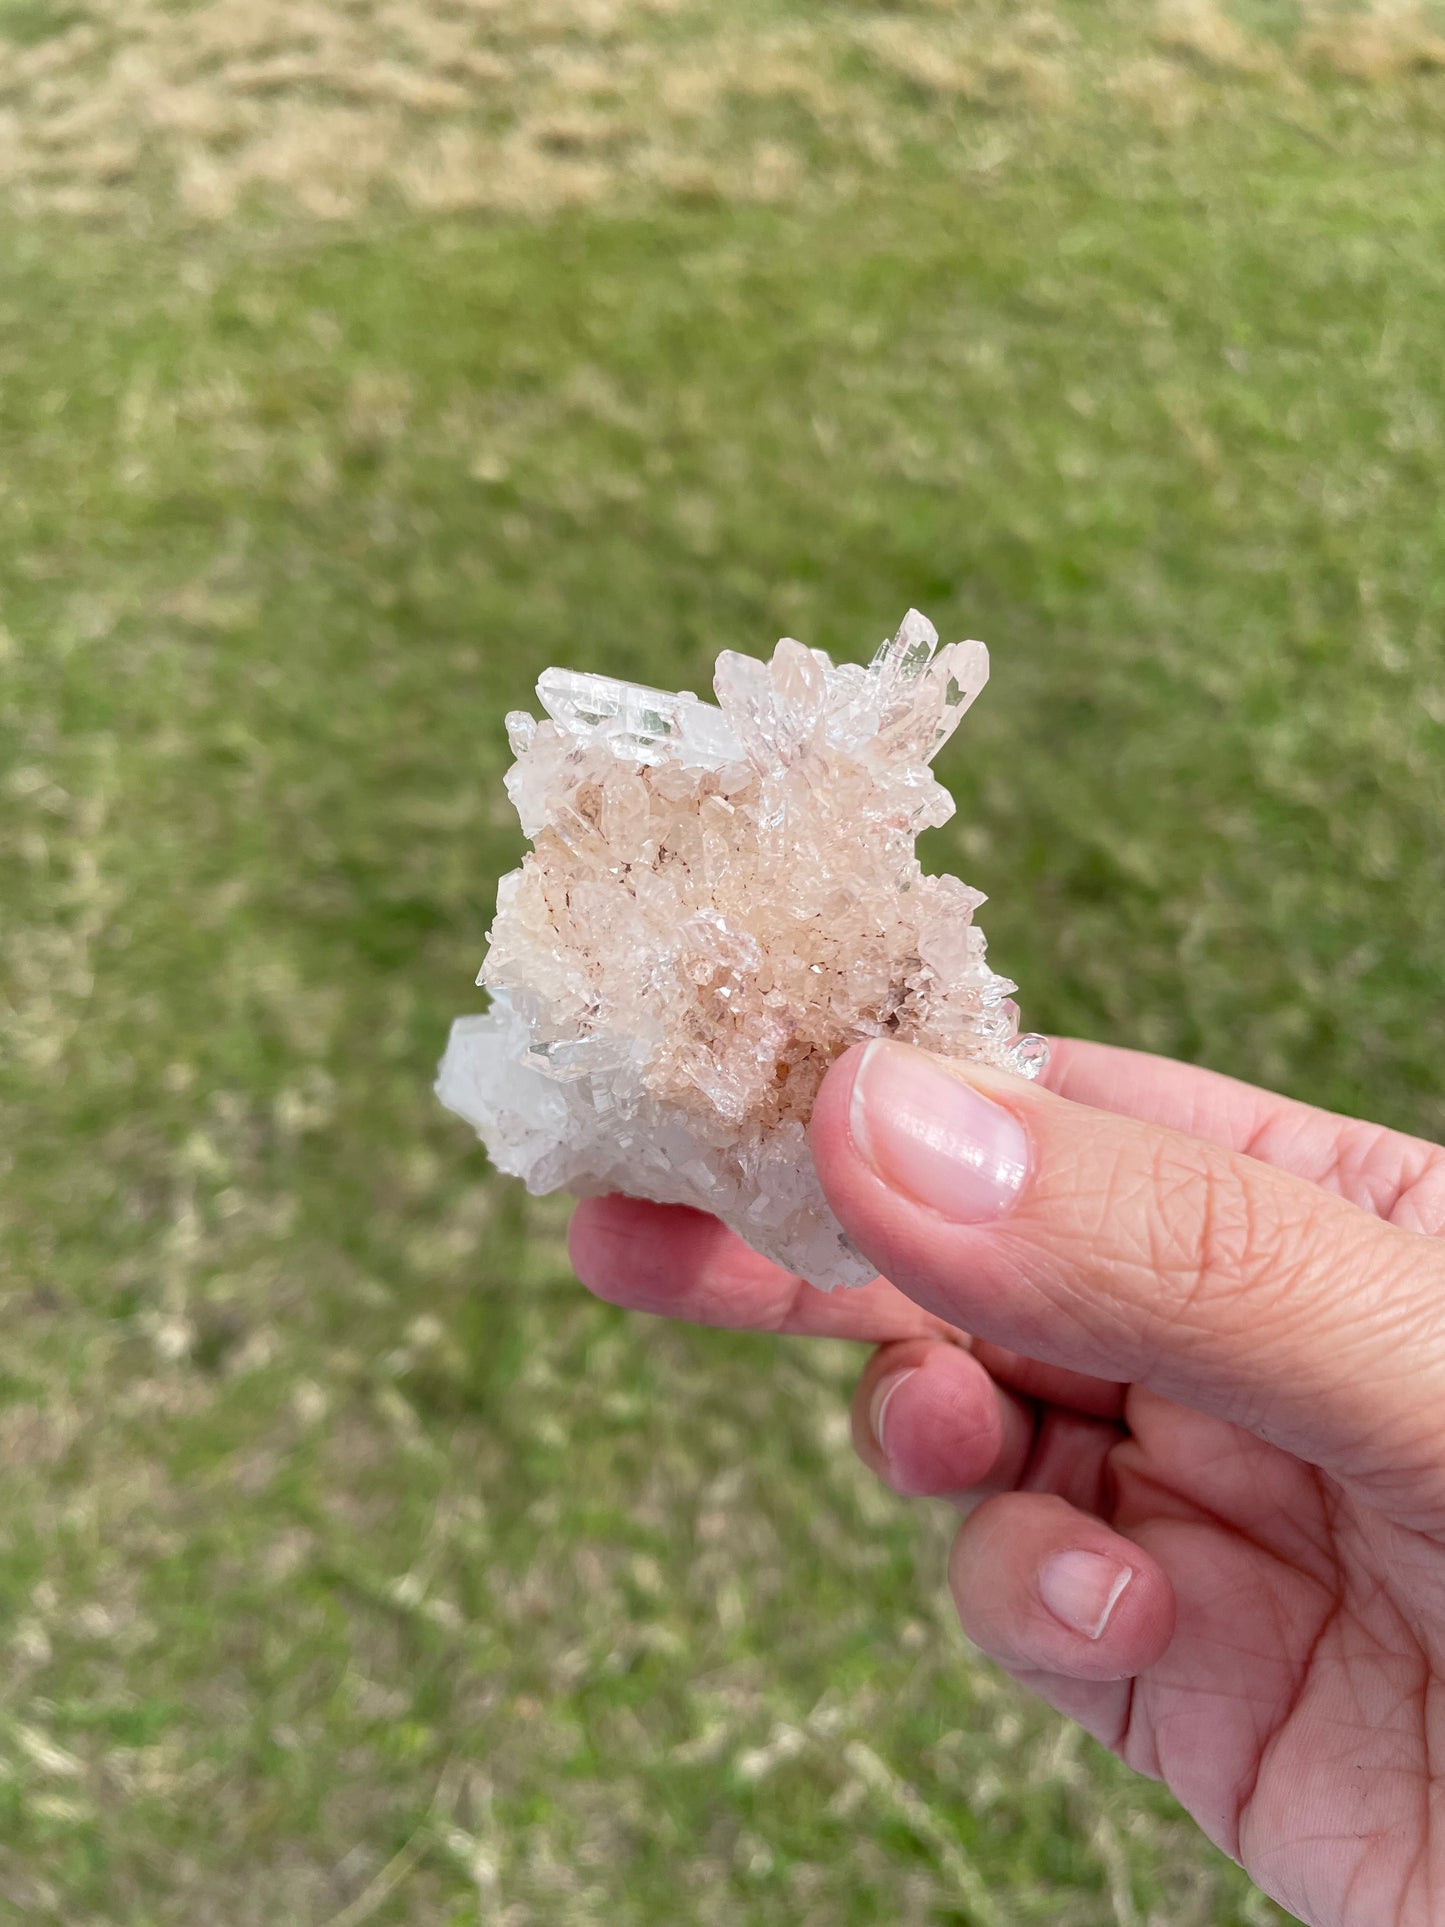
(1131, 1252)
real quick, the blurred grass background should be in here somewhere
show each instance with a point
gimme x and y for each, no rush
(358, 360)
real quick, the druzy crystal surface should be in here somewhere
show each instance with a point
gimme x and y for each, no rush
(718, 902)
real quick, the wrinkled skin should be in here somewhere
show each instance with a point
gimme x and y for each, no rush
(1207, 1343)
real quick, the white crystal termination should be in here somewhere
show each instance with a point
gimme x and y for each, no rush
(718, 902)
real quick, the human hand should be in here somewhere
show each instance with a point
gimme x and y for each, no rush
(1198, 1429)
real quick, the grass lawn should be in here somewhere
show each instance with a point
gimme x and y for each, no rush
(357, 361)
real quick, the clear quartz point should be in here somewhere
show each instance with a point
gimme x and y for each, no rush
(718, 902)
(645, 725)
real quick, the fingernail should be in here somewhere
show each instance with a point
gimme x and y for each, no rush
(929, 1134)
(1081, 1590)
(882, 1398)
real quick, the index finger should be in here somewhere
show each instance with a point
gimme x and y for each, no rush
(678, 1263)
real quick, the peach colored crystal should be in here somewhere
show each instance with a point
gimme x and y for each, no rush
(717, 903)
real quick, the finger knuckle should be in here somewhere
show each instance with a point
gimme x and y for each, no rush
(1213, 1231)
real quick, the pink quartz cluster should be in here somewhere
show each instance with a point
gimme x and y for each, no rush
(717, 903)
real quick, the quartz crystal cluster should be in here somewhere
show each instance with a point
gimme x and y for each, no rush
(718, 902)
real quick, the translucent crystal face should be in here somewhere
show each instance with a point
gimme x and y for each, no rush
(718, 902)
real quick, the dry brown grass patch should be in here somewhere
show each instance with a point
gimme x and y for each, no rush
(1205, 33)
(1384, 42)
(518, 105)
(527, 106)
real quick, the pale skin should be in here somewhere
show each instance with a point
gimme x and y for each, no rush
(1176, 1348)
